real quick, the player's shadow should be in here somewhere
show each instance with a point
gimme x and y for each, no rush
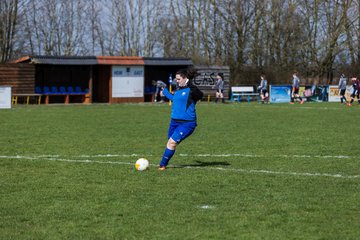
(203, 164)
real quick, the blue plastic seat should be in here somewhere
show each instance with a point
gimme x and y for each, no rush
(54, 89)
(62, 89)
(46, 90)
(149, 89)
(38, 90)
(78, 89)
(70, 89)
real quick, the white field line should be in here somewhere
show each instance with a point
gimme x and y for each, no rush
(87, 161)
(190, 155)
(261, 156)
(304, 107)
(245, 171)
(259, 171)
(201, 155)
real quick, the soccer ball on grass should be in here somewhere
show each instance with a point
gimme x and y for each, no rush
(142, 164)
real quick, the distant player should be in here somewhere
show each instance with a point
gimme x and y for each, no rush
(159, 86)
(356, 89)
(263, 89)
(342, 88)
(183, 113)
(219, 85)
(295, 89)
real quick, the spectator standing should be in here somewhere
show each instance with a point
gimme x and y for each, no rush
(295, 89)
(219, 85)
(159, 86)
(263, 89)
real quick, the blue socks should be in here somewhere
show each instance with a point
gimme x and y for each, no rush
(166, 157)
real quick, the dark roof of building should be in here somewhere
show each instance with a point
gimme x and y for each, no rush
(107, 60)
(59, 60)
(167, 61)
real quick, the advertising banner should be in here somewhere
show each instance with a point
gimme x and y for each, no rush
(127, 81)
(315, 93)
(280, 94)
(334, 93)
(5, 97)
(349, 91)
(206, 79)
(302, 91)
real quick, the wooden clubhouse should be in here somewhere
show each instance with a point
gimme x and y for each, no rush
(100, 79)
(96, 79)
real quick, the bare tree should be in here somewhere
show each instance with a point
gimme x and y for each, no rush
(93, 12)
(334, 15)
(134, 26)
(56, 27)
(351, 25)
(8, 27)
(276, 36)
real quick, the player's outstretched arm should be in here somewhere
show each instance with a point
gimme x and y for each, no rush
(168, 94)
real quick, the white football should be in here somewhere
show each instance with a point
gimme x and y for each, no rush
(142, 164)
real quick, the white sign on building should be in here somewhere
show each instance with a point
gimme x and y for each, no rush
(127, 81)
(5, 97)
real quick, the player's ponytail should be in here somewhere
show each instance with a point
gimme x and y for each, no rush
(192, 73)
(189, 73)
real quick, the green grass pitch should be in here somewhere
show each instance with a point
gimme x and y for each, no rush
(249, 171)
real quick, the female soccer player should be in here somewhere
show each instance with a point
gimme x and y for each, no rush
(183, 113)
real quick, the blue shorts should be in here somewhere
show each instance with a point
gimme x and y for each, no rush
(178, 131)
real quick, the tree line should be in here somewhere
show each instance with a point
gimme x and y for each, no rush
(318, 38)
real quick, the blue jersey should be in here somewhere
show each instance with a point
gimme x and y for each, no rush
(183, 103)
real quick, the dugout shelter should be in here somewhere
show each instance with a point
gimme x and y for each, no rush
(99, 79)
(102, 79)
